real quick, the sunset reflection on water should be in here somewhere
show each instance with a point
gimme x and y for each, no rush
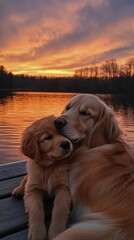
(19, 110)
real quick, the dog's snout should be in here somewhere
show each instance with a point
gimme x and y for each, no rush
(65, 145)
(60, 123)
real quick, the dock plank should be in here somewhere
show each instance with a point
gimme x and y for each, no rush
(12, 216)
(12, 170)
(21, 235)
(8, 185)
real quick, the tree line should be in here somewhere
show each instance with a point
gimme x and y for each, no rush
(109, 77)
(107, 70)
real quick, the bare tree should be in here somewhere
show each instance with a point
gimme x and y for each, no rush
(130, 66)
(110, 69)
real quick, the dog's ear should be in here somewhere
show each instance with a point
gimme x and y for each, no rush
(29, 144)
(106, 129)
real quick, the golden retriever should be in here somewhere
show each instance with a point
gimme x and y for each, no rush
(47, 169)
(102, 172)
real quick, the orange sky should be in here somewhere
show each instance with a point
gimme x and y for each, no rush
(55, 37)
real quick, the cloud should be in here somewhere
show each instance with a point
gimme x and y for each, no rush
(48, 35)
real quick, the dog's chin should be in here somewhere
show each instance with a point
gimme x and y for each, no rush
(60, 156)
(72, 135)
(66, 154)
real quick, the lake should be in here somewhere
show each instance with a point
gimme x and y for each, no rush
(19, 109)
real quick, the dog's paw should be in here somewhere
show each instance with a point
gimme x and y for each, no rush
(37, 233)
(18, 192)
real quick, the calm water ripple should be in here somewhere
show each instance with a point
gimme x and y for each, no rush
(20, 109)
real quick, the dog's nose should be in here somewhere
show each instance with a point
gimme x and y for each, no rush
(60, 122)
(65, 145)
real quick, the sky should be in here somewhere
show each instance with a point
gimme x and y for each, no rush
(55, 37)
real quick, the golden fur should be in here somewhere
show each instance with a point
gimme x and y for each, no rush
(47, 176)
(102, 172)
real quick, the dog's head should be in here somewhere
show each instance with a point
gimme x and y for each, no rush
(42, 142)
(87, 118)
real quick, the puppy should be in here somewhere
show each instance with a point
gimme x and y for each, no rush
(47, 170)
(102, 172)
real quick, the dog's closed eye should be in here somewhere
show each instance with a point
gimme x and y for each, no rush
(46, 137)
(49, 137)
(67, 107)
(84, 112)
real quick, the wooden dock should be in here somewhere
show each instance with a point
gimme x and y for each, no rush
(13, 220)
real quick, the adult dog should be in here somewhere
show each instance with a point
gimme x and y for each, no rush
(102, 172)
(47, 169)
